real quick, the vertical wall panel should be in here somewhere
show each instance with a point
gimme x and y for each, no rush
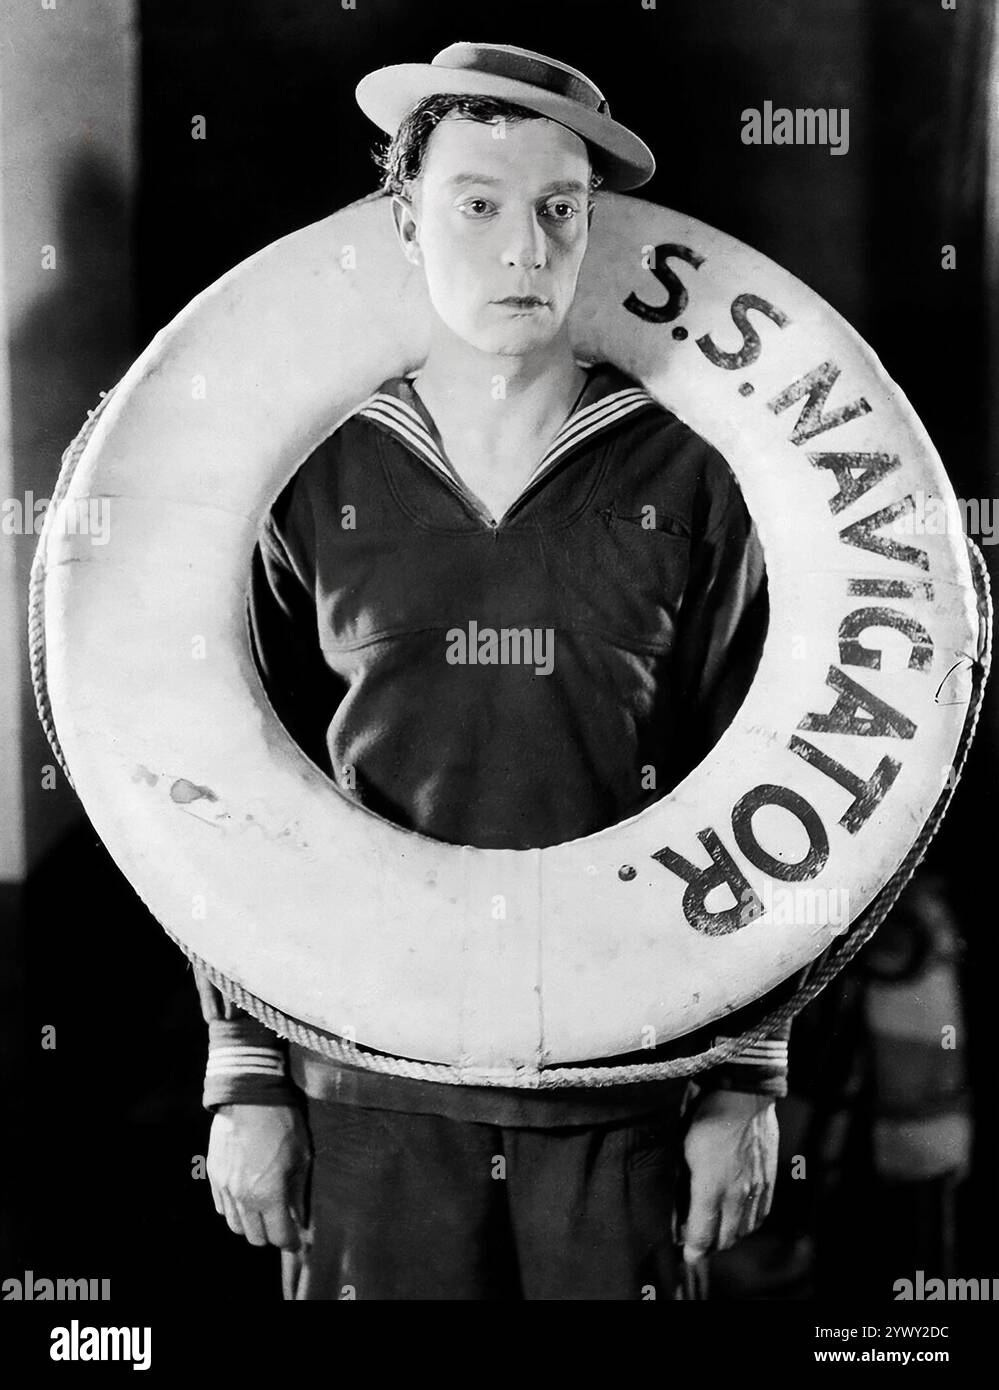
(68, 155)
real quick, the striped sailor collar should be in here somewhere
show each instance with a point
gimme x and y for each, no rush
(608, 397)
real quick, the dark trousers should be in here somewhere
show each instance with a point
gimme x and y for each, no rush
(409, 1206)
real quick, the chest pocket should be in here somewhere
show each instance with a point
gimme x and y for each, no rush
(626, 578)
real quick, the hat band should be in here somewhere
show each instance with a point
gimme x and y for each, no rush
(518, 67)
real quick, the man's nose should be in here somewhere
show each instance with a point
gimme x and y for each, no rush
(525, 244)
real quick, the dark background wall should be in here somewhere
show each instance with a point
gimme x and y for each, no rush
(286, 145)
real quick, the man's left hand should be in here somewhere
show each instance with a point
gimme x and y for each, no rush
(731, 1151)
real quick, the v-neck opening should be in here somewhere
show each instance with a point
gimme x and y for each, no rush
(398, 409)
(418, 404)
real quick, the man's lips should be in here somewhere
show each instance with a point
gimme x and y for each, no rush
(523, 301)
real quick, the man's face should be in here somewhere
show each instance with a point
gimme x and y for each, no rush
(500, 214)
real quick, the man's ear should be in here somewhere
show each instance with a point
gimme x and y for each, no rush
(406, 227)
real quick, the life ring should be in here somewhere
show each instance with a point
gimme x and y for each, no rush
(257, 865)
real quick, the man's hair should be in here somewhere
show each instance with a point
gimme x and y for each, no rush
(401, 158)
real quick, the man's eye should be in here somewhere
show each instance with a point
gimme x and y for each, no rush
(561, 211)
(477, 207)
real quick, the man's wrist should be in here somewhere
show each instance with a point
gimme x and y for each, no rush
(731, 1104)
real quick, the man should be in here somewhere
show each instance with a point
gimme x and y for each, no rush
(509, 486)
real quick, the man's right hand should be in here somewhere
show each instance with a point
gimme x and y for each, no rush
(258, 1167)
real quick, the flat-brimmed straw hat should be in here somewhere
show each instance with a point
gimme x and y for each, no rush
(540, 84)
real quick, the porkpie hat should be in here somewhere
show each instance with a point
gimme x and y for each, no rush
(541, 84)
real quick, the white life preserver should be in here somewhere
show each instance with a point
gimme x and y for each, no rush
(497, 961)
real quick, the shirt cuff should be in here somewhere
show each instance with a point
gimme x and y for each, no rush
(759, 1068)
(247, 1065)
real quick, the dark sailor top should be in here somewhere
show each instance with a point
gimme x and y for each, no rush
(508, 682)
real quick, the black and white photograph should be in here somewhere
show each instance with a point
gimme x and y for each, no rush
(496, 544)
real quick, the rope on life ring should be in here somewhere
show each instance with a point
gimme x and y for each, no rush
(815, 978)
